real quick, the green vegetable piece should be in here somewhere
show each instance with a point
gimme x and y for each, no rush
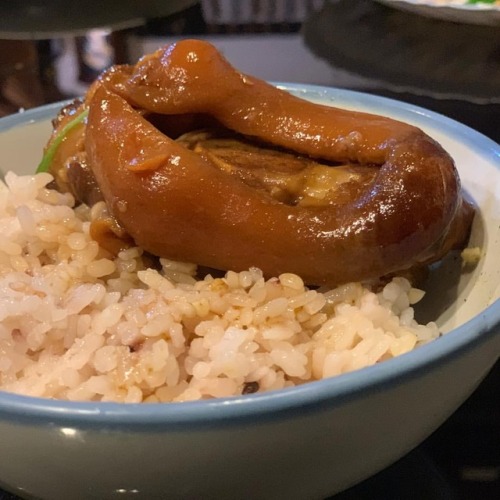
(481, 1)
(48, 157)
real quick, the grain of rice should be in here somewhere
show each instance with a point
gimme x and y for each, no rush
(291, 281)
(76, 241)
(100, 268)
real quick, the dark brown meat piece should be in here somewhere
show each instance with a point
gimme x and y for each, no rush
(82, 181)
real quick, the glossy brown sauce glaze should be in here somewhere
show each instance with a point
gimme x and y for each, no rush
(392, 198)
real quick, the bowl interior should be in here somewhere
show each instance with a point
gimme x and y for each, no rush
(455, 293)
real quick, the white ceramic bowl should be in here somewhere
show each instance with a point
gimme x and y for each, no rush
(306, 442)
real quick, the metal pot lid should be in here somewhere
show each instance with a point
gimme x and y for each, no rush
(42, 19)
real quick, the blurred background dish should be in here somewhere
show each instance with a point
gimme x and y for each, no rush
(39, 19)
(458, 11)
(406, 52)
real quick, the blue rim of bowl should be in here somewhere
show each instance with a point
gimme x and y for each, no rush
(283, 403)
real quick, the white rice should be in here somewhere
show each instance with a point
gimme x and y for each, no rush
(77, 323)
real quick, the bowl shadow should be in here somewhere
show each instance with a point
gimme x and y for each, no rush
(451, 278)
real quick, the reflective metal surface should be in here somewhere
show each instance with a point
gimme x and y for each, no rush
(39, 19)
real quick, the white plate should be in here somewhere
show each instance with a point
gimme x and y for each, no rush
(454, 10)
